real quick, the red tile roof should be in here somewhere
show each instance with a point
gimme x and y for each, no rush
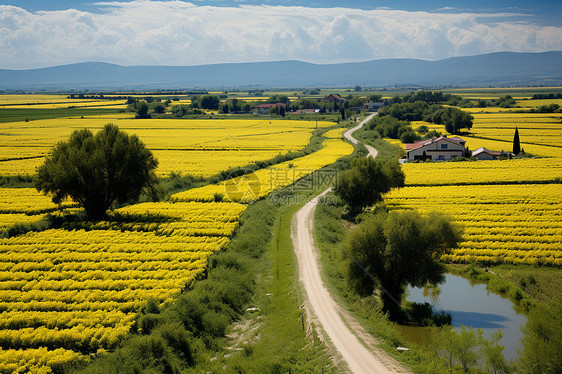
(421, 143)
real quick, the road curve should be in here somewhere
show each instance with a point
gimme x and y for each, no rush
(359, 359)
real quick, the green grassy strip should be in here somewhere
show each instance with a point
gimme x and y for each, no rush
(31, 114)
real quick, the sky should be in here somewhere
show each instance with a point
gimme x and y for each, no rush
(37, 34)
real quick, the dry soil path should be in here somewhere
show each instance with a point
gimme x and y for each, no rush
(319, 301)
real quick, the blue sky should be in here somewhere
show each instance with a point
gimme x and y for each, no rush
(140, 32)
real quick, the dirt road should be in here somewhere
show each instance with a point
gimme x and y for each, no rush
(326, 312)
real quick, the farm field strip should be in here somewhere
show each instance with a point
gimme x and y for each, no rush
(511, 209)
(258, 184)
(198, 147)
(71, 104)
(26, 201)
(75, 291)
(505, 223)
(539, 170)
(71, 291)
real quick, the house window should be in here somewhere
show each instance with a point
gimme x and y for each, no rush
(441, 157)
(443, 146)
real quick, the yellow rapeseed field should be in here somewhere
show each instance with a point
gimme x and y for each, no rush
(511, 209)
(260, 183)
(80, 288)
(197, 147)
(512, 223)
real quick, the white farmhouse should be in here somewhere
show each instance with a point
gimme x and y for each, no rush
(436, 149)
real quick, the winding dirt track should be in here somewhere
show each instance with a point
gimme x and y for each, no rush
(359, 359)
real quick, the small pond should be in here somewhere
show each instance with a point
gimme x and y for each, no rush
(472, 305)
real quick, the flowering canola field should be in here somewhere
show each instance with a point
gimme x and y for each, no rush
(511, 209)
(517, 223)
(73, 291)
(260, 183)
(196, 147)
(69, 292)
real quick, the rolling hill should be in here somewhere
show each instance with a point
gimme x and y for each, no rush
(502, 68)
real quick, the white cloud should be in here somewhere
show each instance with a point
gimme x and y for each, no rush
(183, 33)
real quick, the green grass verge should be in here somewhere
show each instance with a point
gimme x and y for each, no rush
(23, 114)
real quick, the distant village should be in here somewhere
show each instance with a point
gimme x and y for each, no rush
(439, 148)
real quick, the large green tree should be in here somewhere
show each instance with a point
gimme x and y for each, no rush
(364, 183)
(392, 250)
(210, 102)
(98, 170)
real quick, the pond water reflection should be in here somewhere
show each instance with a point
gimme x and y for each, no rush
(472, 305)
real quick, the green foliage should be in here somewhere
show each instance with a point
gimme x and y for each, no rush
(516, 143)
(550, 108)
(388, 127)
(16, 181)
(398, 249)
(159, 108)
(209, 102)
(505, 102)
(422, 130)
(409, 137)
(493, 355)
(542, 341)
(460, 347)
(98, 170)
(278, 99)
(141, 108)
(366, 181)
(468, 347)
(431, 97)
(454, 119)
(182, 110)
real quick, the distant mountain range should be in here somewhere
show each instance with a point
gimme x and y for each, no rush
(500, 69)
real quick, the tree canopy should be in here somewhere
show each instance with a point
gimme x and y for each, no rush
(454, 119)
(366, 181)
(392, 250)
(98, 170)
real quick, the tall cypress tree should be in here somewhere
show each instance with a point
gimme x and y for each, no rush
(516, 144)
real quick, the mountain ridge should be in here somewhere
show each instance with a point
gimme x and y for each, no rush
(499, 68)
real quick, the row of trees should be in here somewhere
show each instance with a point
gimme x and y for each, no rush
(392, 128)
(145, 107)
(453, 119)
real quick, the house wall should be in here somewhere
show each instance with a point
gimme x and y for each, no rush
(434, 150)
(484, 156)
